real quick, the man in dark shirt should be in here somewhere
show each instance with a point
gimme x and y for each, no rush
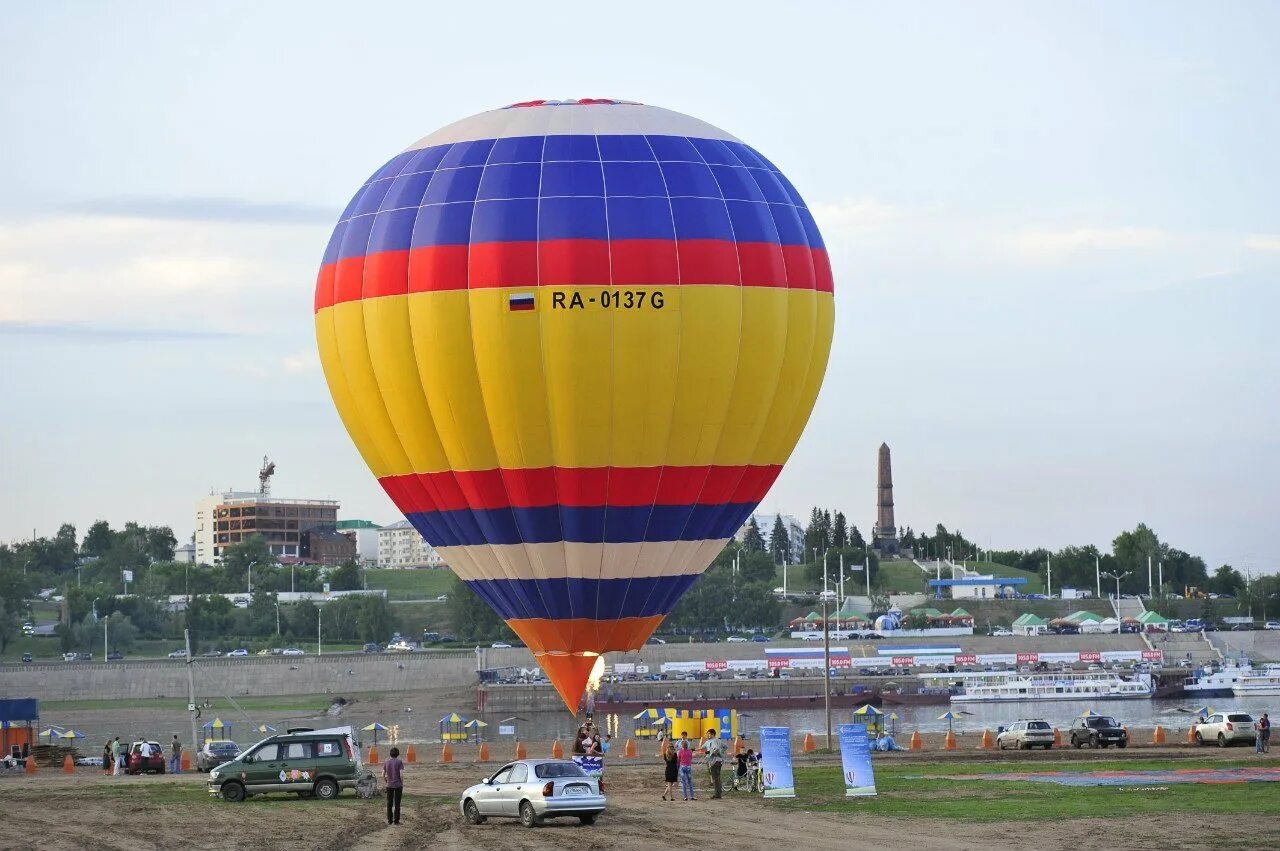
(392, 771)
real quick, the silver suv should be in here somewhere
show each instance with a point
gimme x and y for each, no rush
(1225, 728)
(1025, 735)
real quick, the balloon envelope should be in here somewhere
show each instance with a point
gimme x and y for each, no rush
(575, 342)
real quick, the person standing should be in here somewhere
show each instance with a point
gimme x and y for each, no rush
(175, 756)
(1264, 733)
(108, 764)
(393, 774)
(115, 756)
(684, 755)
(713, 747)
(671, 774)
(605, 744)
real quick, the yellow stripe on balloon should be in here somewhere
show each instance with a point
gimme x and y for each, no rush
(576, 388)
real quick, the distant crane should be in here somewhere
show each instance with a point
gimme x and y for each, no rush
(264, 476)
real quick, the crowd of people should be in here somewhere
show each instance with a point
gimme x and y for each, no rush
(677, 756)
(117, 757)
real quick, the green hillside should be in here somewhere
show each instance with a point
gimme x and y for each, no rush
(410, 584)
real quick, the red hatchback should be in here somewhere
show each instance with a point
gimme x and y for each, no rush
(139, 764)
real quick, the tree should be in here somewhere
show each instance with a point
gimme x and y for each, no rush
(856, 541)
(1226, 580)
(236, 559)
(98, 540)
(839, 531)
(160, 543)
(751, 540)
(346, 577)
(15, 589)
(472, 618)
(779, 542)
(1133, 550)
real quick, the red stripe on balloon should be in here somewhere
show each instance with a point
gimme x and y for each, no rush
(580, 487)
(573, 262)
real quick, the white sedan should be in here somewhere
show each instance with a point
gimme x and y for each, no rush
(737, 639)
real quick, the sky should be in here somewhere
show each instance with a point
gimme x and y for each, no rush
(1054, 229)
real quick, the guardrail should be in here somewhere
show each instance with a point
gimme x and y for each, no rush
(224, 661)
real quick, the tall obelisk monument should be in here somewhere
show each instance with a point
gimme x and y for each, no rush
(884, 537)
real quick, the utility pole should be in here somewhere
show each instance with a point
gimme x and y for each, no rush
(841, 606)
(866, 565)
(1161, 575)
(104, 638)
(319, 612)
(191, 691)
(1097, 576)
(1150, 589)
(1049, 566)
(826, 664)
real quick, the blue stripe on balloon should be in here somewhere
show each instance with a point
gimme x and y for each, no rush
(574, 187)
(597, 599)
(594, 525)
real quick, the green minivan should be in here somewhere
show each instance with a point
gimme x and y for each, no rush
(305, 762)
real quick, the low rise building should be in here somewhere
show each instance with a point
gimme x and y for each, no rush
(323, 545)
(365, 533)
(400, 546)
(230, 517)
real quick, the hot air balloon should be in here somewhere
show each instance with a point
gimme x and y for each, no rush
(575, 341)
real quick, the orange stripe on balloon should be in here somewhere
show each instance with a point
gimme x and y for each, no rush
(582, 635)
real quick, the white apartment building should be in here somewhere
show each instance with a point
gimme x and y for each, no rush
(400, 546)
(795, 533)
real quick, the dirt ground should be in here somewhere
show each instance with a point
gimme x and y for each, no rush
(54, 811)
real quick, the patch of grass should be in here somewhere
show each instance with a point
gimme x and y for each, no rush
(410, 584)
(904, 792)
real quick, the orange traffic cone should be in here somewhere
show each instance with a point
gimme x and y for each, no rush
(949, 744)
(521, 753)
(988, 740)
(373, 754)
(484, 752)
(917, 744)
(410, 755)
(68, 764)
(630, 750)
(31, 763)
(557, 750)
(185, 762)
(809, 744)
(446, 753)
(1057, 737)
(1157, 737)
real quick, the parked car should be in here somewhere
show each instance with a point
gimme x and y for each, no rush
(1098, 731)
(208, 654)
(115, 656)
(372, 648)
(215, 752)
(400, 646)
(307, 763)
(759, 638)
(500, 645)
(533, 790)
(26, 657)
(28, 628)
(291, 651)
(178, 654)
(238, 652)
(1272, 625)
(737, 639)
(152, 763)
(1024, 735)
(1226, 728)
(1002, 633)
(655, 641)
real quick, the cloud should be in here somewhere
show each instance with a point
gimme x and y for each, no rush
(205, 209)
(141, 274)
(105, 333)
(1051, 244)
(855, 215)
(1263, 242)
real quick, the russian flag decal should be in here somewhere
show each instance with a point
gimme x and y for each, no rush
(520, 301)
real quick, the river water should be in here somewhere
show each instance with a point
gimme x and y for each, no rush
(971, 717)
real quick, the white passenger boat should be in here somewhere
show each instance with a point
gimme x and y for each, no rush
(1010, 686)
(1220, 682)
(1263, 682)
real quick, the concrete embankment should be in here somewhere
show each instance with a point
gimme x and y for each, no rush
(271, 675)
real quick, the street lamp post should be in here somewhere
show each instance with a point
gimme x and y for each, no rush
(319, 612)
(277, 617)
(1117, 577)
(826, 663)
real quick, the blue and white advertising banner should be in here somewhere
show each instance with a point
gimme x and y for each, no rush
(855, 758)
(592, 765)
(775, 764)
